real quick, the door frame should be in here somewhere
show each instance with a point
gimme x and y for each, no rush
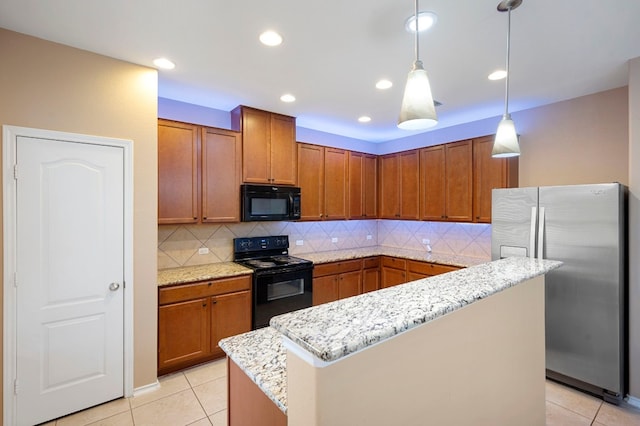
(9, 348)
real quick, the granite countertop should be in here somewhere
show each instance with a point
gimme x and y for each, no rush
(334, 330)
(210, 271)
(263, 358)
(188, 274)
(445, 259)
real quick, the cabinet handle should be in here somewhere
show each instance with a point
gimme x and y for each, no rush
(204, 305)
(214, 301)
(204, 218)
(195, 218)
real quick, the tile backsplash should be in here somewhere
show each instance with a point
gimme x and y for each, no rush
(179, 245)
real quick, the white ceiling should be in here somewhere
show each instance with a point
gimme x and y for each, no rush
(334, 51)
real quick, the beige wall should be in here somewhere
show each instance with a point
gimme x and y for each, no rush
(582, 140)
(49, 86)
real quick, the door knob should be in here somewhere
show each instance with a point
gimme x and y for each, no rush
(114, 286)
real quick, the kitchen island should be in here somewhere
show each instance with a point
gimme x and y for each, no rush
(465, 347)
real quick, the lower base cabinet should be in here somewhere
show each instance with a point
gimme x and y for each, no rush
(370, 274)
(336, 280)
(192, 318)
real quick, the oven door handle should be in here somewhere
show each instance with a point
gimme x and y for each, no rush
(270, 272)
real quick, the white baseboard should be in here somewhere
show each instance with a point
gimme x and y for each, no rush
(631, 400)
(146, 388)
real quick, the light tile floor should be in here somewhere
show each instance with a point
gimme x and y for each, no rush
(198, 397)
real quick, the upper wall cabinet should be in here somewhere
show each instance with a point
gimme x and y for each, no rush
(446, 185)
(363, 186)
(322, 176)
(178, 172)
(198, 174)
(399, 185)
(269, 146)
(489, 173)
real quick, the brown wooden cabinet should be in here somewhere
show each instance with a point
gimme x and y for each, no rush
(489, 173)
(417, 269)
(370, 274)
(268, 146)
(446, 174)
(394, 271)
(399, 185)
(363, 186)
(178, 172)
(192, 318)
(322, 176)
(198, 174)
(336, 280)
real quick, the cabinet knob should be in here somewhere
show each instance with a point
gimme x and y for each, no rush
(204, 305)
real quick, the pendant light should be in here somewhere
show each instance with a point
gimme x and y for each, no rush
(506, 141)
(417, 111)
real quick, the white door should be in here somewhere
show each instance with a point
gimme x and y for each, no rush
(70, 276)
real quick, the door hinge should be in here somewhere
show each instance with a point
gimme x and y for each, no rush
(15, 172)
(15, 387)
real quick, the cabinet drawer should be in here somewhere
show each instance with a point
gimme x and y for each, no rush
(371, 262)
(334, 268)
(199, 289)
(428, 268)
(394, 262)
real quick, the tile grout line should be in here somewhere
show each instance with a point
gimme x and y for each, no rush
(597, 412)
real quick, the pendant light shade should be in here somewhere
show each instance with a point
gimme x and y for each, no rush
(418, 110)
(506, 141)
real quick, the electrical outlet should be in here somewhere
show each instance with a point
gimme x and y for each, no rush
(369, 237)
(299, 242)
(334, 239)
(203, 250)
(426, 241)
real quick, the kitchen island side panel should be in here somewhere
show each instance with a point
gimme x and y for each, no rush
(482, 364)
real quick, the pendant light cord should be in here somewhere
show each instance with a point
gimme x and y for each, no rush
(417, 38)
(506, 91)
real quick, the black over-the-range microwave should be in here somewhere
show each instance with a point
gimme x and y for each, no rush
(269, 202)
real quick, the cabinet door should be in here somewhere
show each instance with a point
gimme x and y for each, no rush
(184, 333)
(389, 187)
(325, 289)
(230, 315)
(489, 173)
(283, 150)
(409, 185)
(350, 284)
(356, 185)
(335, 183)
(256, 131)
(221, 163)
(370, 279)
(459, 180)
(370, 186)
(432, 185)
(392, 276)
(177, 173)
(311, 181)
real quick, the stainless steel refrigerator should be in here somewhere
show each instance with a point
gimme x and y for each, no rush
(584, 226)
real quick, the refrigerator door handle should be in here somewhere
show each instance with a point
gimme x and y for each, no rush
(541, 234)
(532, 233)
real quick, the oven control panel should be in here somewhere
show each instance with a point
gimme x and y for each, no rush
(260, 244)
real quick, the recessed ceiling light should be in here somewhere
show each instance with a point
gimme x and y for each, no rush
(426, 21)
(164, 63)
(270, 38)
(287, 98)
(497, 75)
(384, 84)
(364, 119)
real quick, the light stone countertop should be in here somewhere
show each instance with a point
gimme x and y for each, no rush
(334, 330)
(189, 274)
(445, 259)
(262, 356)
